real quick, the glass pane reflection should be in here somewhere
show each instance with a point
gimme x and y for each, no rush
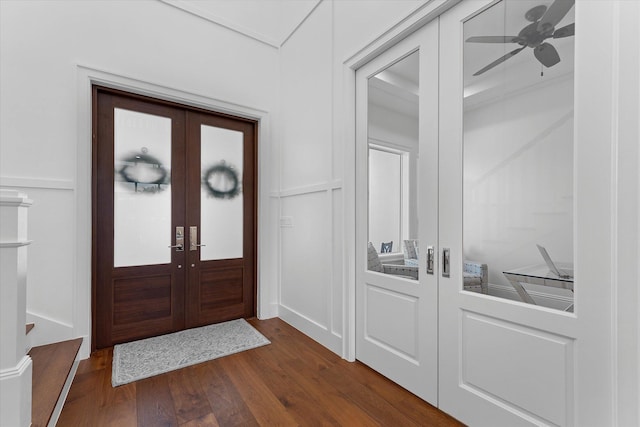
(518, 150)
(393, 156)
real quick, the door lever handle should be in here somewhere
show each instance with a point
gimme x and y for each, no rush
(179, 246)
(193, 238)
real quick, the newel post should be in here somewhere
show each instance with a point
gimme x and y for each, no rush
(15, 364)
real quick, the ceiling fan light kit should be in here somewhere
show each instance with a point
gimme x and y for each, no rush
(542, 27)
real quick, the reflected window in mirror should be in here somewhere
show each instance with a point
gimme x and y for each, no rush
(392, 167)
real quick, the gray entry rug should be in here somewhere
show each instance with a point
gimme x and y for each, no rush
(152, 356)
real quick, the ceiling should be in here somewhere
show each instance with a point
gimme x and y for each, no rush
(273, 21)
(268, 21)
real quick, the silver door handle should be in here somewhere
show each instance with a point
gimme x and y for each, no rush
(430, 253)
(193, 238)
(179, 246)
(446, 265)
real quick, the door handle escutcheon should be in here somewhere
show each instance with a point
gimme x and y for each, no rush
(446, 265)
(179, 246)
(193, 238)
(430, 253)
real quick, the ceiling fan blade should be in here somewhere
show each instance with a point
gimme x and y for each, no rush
(493, 39)
(498, 61)
(566, 31)
(535, 13)
(554, 14)
(547, 55)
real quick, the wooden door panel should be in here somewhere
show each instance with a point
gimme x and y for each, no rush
(138, 299)
(221, 294)
(142, 300)
(221, 289)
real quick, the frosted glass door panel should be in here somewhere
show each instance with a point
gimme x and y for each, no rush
(221, 194)
(142, 190)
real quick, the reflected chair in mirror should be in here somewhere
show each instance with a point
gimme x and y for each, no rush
(374, 264)
(476, 277)
(410, 250)
(385, 248)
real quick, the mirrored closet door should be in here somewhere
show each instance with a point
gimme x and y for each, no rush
(397, 161)
(510, 274)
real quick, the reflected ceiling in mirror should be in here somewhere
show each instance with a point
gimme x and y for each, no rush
(507, 44)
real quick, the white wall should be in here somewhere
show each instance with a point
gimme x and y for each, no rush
(42, 44)
(311, 151)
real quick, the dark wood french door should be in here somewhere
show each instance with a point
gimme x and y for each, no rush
(174, 217)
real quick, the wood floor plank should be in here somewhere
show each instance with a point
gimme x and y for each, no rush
(297, 401)
(292, 381)
(208, 420)
(266, 408)
(309, 387)
(118, 405)
(305, 355)
(154, 403)
(228, 405)
(189, 399)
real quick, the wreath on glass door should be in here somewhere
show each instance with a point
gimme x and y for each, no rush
(222, 181)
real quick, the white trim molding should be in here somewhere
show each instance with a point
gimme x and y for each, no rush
(192, 7)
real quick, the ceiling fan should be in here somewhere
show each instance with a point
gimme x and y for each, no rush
(543, 22)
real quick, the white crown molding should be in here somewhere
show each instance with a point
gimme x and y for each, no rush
(192, 7)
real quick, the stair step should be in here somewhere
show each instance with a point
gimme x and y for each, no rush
(52, 364)
(30, 326)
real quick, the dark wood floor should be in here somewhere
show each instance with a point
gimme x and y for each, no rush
(293, 381)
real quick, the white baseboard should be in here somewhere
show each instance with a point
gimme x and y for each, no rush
(312, 329)
(47, 331)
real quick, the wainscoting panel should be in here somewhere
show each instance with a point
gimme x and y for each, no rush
(391, 321)
(306, 256)
(523, 383)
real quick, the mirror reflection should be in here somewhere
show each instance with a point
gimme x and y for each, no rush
(392, 169)
(518, 150)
